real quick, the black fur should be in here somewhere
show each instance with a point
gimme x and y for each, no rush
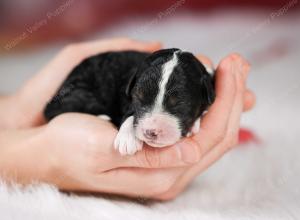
(120, 84)
(97, 86)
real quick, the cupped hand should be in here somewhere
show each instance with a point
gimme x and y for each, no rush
(79, 146)
(82, 157)
(153, 173)
(220, 126)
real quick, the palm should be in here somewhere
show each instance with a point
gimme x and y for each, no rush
(80, 145)
(82, 136)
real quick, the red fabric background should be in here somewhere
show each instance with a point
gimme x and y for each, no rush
(83, 17)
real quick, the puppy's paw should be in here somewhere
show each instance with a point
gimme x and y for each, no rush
(104, 117)
(127, 143)
(196, 127)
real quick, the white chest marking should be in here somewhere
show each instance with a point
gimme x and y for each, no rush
(167, 70)
(209, 69)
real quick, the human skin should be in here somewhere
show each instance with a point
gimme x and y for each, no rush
(75, 151)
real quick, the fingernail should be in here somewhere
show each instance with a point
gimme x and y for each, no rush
(188, 153)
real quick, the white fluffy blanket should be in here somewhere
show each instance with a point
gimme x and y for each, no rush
(252, 181)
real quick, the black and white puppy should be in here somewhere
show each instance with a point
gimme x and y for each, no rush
(153, 98)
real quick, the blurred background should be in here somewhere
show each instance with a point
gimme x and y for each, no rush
(266, 32)
(32, 31)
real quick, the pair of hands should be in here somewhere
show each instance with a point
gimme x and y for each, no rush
(75, 151)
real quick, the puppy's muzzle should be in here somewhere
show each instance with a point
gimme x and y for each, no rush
(158, 129)
(152, 134)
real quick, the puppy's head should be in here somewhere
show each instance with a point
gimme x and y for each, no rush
(169, 91)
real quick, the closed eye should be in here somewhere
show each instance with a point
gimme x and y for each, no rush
(172, 91)
(138, 94)
(172, 100)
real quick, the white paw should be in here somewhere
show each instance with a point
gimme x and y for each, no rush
(104, 117)
(126, 143)
(209, 69)
(196, 127)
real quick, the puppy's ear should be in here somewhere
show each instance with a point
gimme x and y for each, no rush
(207, 89)
(131, 82)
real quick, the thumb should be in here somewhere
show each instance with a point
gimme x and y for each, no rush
(173, 156)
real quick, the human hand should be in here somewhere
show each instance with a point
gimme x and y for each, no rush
(155, 173)
(79, 149)
(68, 146)
(82, 157)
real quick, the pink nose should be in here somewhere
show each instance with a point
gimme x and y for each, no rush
(151, 133)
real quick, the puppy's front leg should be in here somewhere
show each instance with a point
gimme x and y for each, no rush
(126, 141)
(195, 129)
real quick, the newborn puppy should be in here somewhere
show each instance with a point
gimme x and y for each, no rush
(153, 98)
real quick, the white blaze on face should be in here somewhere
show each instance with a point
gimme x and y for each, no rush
(167, 70)
(158, 128)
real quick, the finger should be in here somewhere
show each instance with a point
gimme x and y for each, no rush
(205, 60)
(135, 182)
(249, 100)
(150, 157)
(119, 44)
(241, 71)
(215, 122)
(65, 61)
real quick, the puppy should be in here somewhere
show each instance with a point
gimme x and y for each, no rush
(153, 98)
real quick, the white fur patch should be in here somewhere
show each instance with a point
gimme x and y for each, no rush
(167, 70)
(104, 117)
(209, 69)
(196, 127)
(126, 141)
(167, 126)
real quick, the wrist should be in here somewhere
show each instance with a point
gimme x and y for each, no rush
(16, 112)
(7, 112)
(24, 156)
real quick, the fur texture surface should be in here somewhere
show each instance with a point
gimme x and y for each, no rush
(257, 182)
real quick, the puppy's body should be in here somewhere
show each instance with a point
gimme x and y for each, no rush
(154, 98)
(97, 86)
